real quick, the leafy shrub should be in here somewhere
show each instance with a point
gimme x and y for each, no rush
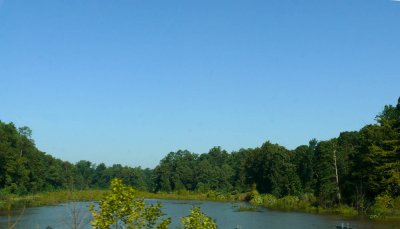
(396, 206)
(221, 197)
(382, 206)
(198, 220)
(307, 202)
(250, 195)
(309, 197)
(202, 188)
(288, 203)
(241, 197)
(119, 207)
(4, 194)
(183, 192)
(345, 210)
(256, 200)
(269, 201)
(211, 194)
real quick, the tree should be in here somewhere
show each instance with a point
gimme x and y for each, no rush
(382, 152)
(26, 132)
(198, 220)
(120, 208)
(304, 161)
(86, 173)
(176, 171)
(100, 178)
(326, 185)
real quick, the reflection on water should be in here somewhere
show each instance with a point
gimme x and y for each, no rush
(225, 214)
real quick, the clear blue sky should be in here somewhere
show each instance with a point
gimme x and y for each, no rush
(130, 81)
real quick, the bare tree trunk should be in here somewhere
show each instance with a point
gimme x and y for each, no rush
(337, 177)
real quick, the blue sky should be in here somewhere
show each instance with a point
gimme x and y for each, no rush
(130, 81)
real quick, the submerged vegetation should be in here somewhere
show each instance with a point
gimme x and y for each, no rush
(245, 208)
(357, 172)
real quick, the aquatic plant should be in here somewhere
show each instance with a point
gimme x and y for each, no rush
(245, 208)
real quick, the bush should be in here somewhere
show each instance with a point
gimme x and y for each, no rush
(307, 202)
(250, 195)
(269, 201)
(202, 188)
(309, 198)
(241, 197)
(211, 194)
(183, 192)
(119, 206)
(220, 197)
(288, 203)
(382, 206)
(396, 206)
(4, 194)
(345, 210)
(256, 200)
(198, 220)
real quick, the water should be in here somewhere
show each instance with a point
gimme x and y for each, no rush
(225, 214)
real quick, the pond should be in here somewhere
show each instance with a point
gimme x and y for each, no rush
(225, 214)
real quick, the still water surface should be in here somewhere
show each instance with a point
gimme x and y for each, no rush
(225, 214)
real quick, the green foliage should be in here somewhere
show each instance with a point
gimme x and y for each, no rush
(185, 170)
(345, 210)
(211, 194)
(269, 201)
(119, 209)
(326, 187)
(198, 220)
(26, 170)
(306, 202)
(385, 207)
(304, 160)
(119, 206)
(288, 203)
(382, 206)
(270, 168)
(250, 195)
(183, 192)
(256, 200)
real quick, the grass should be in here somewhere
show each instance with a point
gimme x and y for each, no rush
(49, 198)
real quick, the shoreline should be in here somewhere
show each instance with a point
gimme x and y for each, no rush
(13, 203)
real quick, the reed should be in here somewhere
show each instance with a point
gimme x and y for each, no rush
(305, 203)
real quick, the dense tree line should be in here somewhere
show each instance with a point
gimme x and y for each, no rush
(353, 168)
(25, 169)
